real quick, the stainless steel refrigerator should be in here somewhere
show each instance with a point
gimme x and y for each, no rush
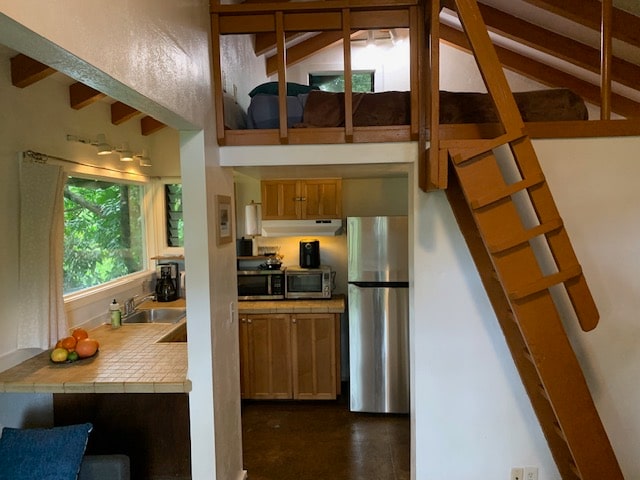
(378, 314)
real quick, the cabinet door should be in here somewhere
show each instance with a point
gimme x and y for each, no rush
(321, 198)
(280, 199)
(314, 356)
(267, 374)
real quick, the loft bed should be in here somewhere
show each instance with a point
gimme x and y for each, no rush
(339, 20)
(277, 115)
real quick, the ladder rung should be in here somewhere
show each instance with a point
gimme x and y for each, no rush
(508, 191)
(546, 282)
(478, 147)
(558, 429)
(527, 355)
(543, 391)
(526, 235)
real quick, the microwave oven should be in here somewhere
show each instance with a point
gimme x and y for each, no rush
(308, 282)
(260, 285)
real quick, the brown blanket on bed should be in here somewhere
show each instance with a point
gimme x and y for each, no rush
(326, 109)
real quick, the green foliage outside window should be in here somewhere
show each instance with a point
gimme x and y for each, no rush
(103, 232)
(361, 81)
(175, 223)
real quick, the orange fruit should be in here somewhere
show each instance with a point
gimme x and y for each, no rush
(69, 343)
(58, 344)
(86, 347)
(59, 355)
(79, 334)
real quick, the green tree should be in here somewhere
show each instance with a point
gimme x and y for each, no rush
(103, 232)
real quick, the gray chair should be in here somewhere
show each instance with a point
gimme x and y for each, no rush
(105, 467)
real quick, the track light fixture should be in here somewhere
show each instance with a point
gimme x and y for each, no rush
(105, 148)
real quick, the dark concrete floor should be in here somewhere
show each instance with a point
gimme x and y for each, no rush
(323, 440)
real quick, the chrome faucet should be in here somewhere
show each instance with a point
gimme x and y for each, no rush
(134, 302)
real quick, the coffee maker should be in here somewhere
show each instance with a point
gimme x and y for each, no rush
(309, 254)
(167, 282)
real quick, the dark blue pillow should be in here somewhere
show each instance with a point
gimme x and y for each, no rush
(271, 88)
(43, 453)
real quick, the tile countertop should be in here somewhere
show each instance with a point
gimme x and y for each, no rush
(131, 359)
(336, 304)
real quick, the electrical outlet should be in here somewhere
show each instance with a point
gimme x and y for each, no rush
(530, 473)
(517, 473)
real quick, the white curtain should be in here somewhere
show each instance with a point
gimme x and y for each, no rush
(42, 319)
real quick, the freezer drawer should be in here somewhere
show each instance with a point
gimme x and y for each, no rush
(379, 349)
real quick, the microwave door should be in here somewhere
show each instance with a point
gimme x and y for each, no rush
(304, 283)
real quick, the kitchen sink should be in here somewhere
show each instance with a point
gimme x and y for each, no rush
(156, 315)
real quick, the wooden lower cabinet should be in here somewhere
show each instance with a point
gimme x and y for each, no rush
(290, 356)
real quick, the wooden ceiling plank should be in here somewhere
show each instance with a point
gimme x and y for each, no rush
(557, 45)
(81, 95)
(149, 125)
(121, 112)
(305, 49)
(545, 74)
(625, 26)
(26, 71)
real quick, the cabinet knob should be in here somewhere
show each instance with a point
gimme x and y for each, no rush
(249, 321)
(294, 320)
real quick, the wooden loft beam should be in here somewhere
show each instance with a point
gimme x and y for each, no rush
(81, 95)
(545, 74)
(149, 125)
(26, 71)
(120, 113)
(311, 6)
(303, 50)
(513, 28)
(625, 26)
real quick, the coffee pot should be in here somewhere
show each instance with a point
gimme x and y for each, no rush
(166, 288)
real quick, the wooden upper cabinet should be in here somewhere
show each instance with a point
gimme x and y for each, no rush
(310, 199)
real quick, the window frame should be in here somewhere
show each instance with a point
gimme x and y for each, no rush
(82, 171)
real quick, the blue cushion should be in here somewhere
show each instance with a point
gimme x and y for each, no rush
(271, 88)
(43, 453)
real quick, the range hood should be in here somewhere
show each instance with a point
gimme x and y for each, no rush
(301, 228)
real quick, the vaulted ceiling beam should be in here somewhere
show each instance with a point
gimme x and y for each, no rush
(26, 71)
(81, 95)
(121, 112)
(625, 26)
(557, 45)
(305, 49)
(149, 125)
(545, 74)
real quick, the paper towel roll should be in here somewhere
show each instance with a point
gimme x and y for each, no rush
(252, 217)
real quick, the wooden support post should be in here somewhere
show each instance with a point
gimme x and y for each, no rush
(605, 59)
(282, 77)
(348, 79)
(216, 68)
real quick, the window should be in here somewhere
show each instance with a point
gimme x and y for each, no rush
(361, 81)
(103, 232)
(173, 207)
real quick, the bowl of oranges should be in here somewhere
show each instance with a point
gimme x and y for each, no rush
(76, 346)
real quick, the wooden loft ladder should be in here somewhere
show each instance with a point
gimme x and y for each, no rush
(508, 219)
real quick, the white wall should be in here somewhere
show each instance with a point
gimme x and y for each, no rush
(154, 56)
(472, 417)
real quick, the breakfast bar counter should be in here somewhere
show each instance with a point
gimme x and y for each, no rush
(135, 358)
